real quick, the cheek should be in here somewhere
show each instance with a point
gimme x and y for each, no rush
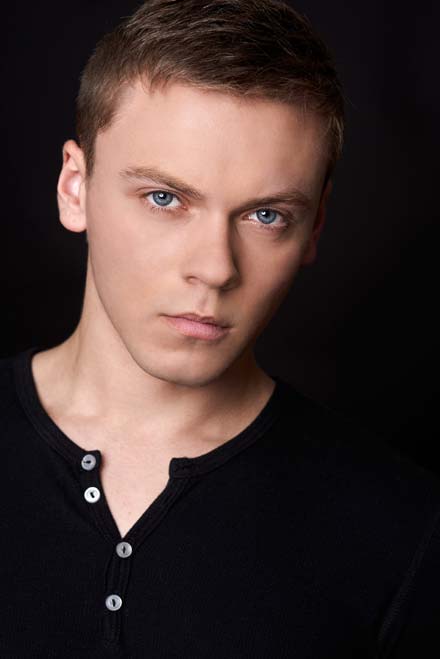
(125, 240)
(272, 277)
(130, 260)
(120, 260)
(268, 287)
(112, 229)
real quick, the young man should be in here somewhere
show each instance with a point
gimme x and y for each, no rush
(163, 496)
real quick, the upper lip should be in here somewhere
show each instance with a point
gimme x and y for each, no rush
(202, 319)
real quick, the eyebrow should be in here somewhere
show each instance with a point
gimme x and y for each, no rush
(142, 173)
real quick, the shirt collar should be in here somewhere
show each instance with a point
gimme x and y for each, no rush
(178, 467)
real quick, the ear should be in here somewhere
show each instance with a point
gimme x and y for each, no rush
(309, 255)
(71, 188)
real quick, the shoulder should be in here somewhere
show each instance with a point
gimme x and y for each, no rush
(345, 445)
(14, 385)
(365, 516)
(347, 474)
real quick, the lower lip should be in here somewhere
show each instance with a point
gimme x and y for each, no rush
(197, 330)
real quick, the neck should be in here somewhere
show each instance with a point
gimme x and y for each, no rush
(112, 392)
(94, 378)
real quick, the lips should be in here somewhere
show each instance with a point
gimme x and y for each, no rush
(198, 330)
(211, 320)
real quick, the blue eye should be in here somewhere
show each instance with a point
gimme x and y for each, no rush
(161, 201)
(266, 216)
(265, 219)
(161, 197)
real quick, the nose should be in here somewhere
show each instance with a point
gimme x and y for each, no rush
(211, 252)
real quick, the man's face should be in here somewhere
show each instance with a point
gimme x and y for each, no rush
(158, 249)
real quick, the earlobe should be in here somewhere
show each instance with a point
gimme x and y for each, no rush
(70, 195)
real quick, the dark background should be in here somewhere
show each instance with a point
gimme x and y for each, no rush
(357, 332)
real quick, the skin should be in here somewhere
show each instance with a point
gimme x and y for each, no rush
(128, 379)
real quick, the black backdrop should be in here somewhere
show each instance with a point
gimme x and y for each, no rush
(357, 331)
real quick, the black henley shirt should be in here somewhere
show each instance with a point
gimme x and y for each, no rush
(302, 537)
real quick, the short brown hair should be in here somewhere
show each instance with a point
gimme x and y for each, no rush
(246, 48)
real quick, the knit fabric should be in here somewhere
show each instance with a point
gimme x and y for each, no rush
(305, 536)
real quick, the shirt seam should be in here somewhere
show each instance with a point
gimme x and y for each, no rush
(394, 619)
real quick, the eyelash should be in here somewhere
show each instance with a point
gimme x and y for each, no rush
(287, 219)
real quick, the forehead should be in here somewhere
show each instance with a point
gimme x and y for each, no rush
(209, 133)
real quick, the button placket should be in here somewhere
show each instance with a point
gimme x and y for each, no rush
(118, 568)
(88, 472)
(117, 577)
(92, 493)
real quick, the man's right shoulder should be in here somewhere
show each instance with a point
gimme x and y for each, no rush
(13, 378)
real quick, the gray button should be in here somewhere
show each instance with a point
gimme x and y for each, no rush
(92, 494)
(124, 549)
(88, 462)
(113, 602)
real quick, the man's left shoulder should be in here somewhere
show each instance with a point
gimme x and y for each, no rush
(341, 456)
